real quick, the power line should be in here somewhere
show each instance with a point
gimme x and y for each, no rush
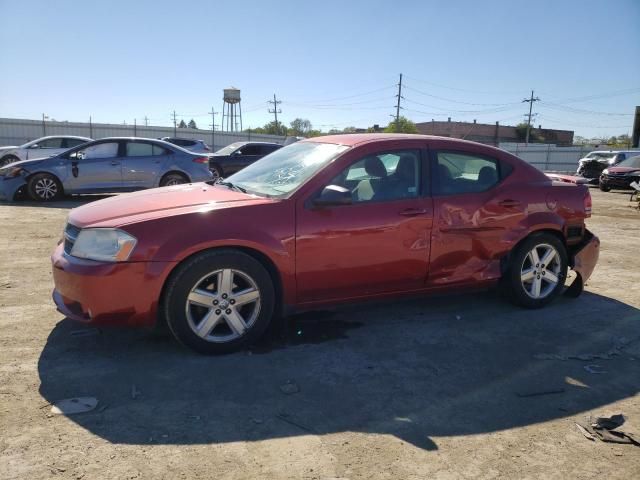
(275, 110)
(530, 101)
(565, 108)
(458, 101)
(459, 89)
(350, 96)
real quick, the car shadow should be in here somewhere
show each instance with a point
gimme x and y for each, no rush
(414, 369)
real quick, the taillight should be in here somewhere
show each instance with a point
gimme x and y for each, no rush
(587, 203)
(201, 160)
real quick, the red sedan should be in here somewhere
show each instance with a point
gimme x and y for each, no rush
(323, 221)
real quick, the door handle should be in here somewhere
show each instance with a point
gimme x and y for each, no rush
(413, 212)
(509, 203)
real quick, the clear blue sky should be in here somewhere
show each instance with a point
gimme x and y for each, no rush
(333, 62)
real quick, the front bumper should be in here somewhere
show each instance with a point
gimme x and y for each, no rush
(10, 186)
(123, 294)
(622, 182)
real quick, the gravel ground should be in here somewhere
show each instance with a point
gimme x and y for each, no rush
(424, 388)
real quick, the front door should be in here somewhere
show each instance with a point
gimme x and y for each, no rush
(377, 244)
(97, 167)
(243, 157)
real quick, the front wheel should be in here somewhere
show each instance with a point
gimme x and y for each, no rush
(219, 301)
(537, 270)
(8, 159)
(44, 187)
(604, 188)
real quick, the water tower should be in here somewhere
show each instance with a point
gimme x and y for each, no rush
(231, 110)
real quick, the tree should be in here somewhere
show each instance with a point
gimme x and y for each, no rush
(192, 124)
(182, 124)
(406, 126)
(300, 127)
(272, 129)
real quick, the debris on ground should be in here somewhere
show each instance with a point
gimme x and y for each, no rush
(609, 423)
(604, 429)
(585, 432)
(287, 418)
(72, 406)
(289, 388)
(539, 392)
(595, 369)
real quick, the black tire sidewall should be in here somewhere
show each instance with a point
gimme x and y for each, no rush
(604, 188)
(4, 161)
(217, 169)
(167, 177)
(184, 278)
(32, 191)
(516, 290)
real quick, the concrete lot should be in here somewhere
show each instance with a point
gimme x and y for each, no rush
(426, 388)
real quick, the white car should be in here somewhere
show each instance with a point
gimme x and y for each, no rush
(197, 146)
(39, 148)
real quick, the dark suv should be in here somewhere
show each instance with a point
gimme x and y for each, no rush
(234, 157)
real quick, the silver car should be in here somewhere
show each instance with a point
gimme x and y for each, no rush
(188, 144)
(39, 148)
(105, 165)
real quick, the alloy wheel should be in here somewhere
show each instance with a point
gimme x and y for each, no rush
(541, 271)
(223, 305)
(46, 188)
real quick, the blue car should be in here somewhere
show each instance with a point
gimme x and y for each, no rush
(105, 165)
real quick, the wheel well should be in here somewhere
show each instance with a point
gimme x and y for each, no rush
(265, 261)
(504, 264)
(217, 165)
(31, 175)
(176, 172)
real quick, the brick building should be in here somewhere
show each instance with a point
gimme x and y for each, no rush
(494, 134)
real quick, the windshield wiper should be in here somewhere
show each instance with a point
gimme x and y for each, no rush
(232, 186)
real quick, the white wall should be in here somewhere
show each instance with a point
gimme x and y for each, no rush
(17, 131)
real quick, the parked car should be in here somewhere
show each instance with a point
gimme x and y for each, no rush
(105, 165)
(188, 144)
(622, 175)
(39, 148)
(235, 157)
(592, 165)
(323, 221)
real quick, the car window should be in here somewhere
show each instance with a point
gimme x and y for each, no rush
(143, 149)
(73, 142)
(458, 173)
(382, 177)
(50, 143)
(633, 162)
(100, 150)
(250, 150)
(267, 149)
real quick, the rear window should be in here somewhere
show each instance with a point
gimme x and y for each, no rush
(458, 173)
(138, 149)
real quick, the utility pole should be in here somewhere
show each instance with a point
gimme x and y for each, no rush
(146, 121)
(398, 107)
(135, 127)
(175, 124)
(44, 128)
(530, 102)
(213, 114)
(90, 127)
(275, 110)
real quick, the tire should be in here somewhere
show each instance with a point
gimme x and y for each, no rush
(216, 171)
(44, 187)
(526, 271)
(194, 297)
(173, 179)
(604, 188)
(6, 160)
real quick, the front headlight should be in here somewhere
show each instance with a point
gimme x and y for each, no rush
(10, 172)
(104, 245)
(605, 171)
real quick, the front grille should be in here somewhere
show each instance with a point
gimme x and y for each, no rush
(71, 233)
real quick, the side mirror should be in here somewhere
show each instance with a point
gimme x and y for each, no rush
(35, 145)
(333, 195)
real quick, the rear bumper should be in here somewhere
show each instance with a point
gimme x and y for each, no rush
(585, 256)
(123, 294)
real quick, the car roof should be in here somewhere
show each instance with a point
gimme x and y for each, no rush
(64, 136)
(257, 143)
(181, 138)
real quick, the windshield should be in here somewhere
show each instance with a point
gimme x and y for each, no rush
(284, 170)
(229, 149)
(633, 162)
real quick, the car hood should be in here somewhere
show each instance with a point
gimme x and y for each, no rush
(159, 202)
(623, 169)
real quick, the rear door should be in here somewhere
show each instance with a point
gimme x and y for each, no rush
(96, 167)
(245, 155)
(142, 164)
(473, 212)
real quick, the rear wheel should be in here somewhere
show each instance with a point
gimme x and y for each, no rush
(173, 179)
(216, 171)
(44, 187)
(219, 301)
(537, 270)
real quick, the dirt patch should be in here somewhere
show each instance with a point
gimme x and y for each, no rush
(447, 387)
